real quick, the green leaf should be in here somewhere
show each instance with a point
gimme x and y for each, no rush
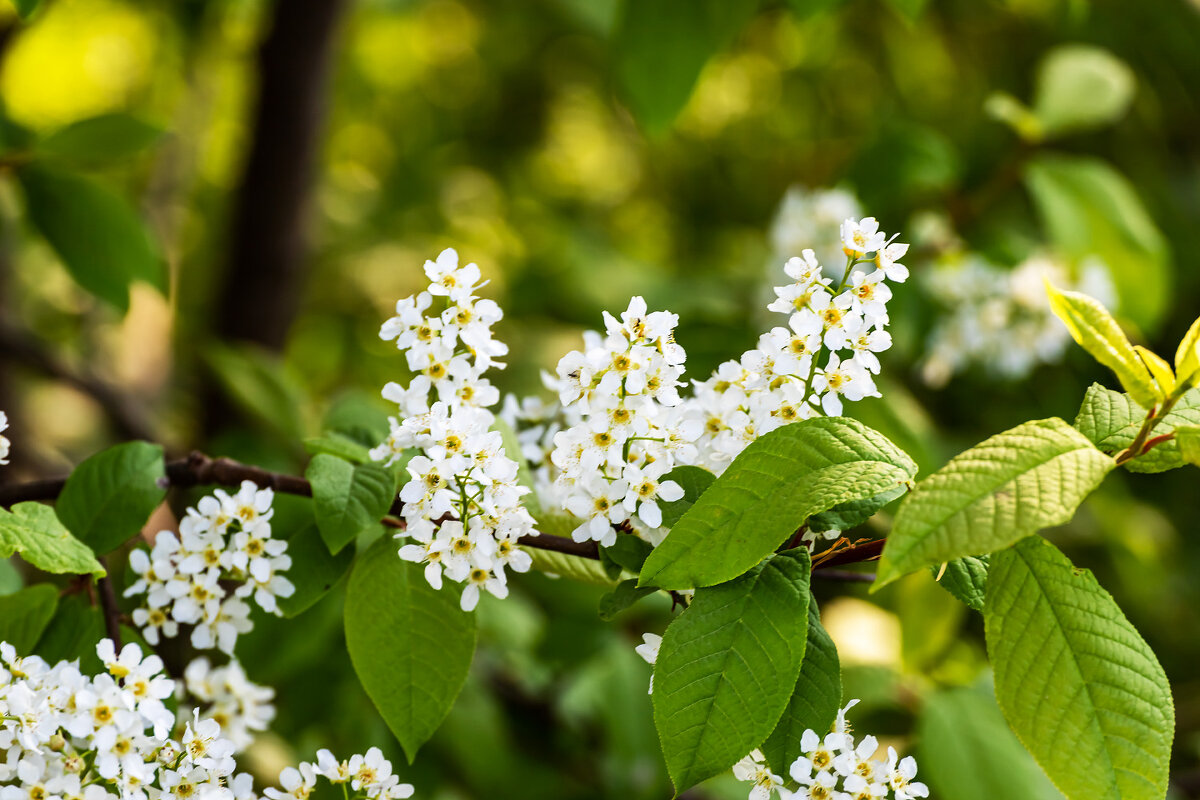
(25, 614)
(1187, 355)
(1094, 329)
(110, 496)
(313, 572)
(25, 8)
(1077, 683)
(1111, 420)
(909, 9)
(629, 551)
(335, 444)
(101, 140)
(1031, 477)
(100, 239)
(359, 416)
(815, 699)
(261, 386)
(10, 578)
(584, 570)
(622, 597)
(966, 579)
(1090, 209)
(1188, 437)
(851, 514)
(728, 665)
(33, 531)
(661, 46)
(348, 498)
(808, 8)
(768, 491)
(694, 481)
(410, 644)
(72, 634)
(967, 751)
(1081, 87)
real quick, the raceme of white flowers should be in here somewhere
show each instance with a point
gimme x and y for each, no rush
(835, 767)
(5, 445)
(68, 736)
(462, 502)
(224, 538)
(224, 694)
(620, 423)
(1001, 318)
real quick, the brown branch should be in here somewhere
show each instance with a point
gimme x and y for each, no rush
(127, 416)
(112, 612)
(843, 575)
(199, 469)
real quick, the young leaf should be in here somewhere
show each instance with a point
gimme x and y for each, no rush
(1188, 437)
(1081, 87)
(1031, 477)
(967, 751)
(661, 45)
(585, 570)
(33, 531)
(1090, 209)
(1077, 683)
(1111, 420)
(815, 699)
(1159, 369)
(313, 572)
(966, 579)
(99, 238)
(25, 614)
(348, 498)
(100, 140)
(108, 498)
(622, 597)
(694, 481)
(767, 493)
(411, 645)
(1097, 332)
(728, 665)
(1187, 355)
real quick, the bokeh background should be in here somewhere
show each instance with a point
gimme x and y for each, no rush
(207, 207)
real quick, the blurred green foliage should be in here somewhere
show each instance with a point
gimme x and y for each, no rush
(581, 152)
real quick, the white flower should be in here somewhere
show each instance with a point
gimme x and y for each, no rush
(860, 237)
(600, 506)
(4, 443)
(752, 769)
(646, 488)
(297, 783)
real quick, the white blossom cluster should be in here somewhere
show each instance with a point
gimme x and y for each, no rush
(369, 775)
(68, 736)
(5, 445)
(622, 394)
(224, 694)
(224, 538)
(462, 501)
(833, 768)
(1001, 318)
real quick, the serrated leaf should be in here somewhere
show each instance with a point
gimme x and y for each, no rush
(661, 46)
(815, 700)
(966, 579)
(1081, 87)
(848, 515)
(1077, 683)
(1031, 477)
(584, 570)
(411, 644)
(1094, 329)
(25, 614)
(768, 491)
(1111, 420)
(348, 498)
(694, 481)
(100, 239)
(1159, 369)
(728, 665)
(1090, 210)
(313, 572)
(1187, 355)
(109, 497)
(622, 597)
(1188, 437)
(967, 752)
(100, 140)
(32, 531)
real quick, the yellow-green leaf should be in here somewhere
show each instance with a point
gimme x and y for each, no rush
(1097, 332)
(1187, 357)
(1159, 368)
(1188, 437)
